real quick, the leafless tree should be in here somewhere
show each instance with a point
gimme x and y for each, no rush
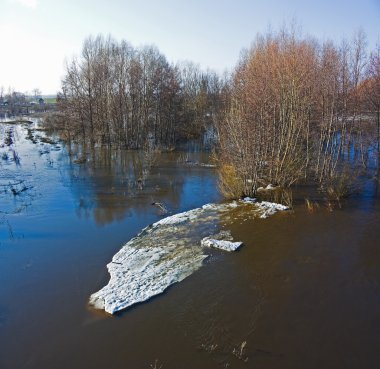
(295, 113)
(118, 95)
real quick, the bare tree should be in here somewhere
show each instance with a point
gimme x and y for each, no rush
(118, 95)
(295, 113)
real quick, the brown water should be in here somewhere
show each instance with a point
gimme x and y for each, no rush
(303, 292)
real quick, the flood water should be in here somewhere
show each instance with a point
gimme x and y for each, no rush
(303, 291)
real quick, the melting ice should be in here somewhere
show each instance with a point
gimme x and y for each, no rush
(166, 252)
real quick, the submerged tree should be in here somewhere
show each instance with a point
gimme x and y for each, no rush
(372, 92)
(118, 95)
(295, 112)
(293, 109)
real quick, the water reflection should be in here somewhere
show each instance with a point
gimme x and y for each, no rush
(100, 184)
(304, 291)
(111, 184)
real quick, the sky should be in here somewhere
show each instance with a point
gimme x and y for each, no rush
(37, 36)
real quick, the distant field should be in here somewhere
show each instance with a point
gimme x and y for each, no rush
(50, 100)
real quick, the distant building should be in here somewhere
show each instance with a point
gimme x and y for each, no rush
(41, 101)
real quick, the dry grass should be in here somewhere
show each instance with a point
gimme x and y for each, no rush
(278, 195)
(340, 185)
(156, 365)
(80, 160)
(239, 351)
(230, 185)
(311, 206)
(329, 206)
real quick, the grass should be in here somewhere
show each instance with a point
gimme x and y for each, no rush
(51, 100)
(311, 206)
(278, 195)
(230, 185)
(156, 365)
(239, 351)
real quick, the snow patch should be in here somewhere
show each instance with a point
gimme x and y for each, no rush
(220, 244)
(178, 218)
(267, 188)
(270, 187)
(140, 273)
(270, 208)
(162, 254)
(249, 200)
(167, 252)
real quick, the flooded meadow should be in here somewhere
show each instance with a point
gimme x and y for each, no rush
(302, 292)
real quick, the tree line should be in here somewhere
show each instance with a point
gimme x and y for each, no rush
(14, 103)
(122, 96)
(300, 110)
(293, 109)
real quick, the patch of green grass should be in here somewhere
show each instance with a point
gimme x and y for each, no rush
(50, 100)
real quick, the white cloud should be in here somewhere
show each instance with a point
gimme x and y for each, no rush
(27, 3)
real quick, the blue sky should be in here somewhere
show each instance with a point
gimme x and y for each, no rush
(37, 35)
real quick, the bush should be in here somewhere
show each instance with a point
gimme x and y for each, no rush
(230, 185)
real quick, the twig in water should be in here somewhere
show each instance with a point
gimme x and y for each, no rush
(161, 206)
(10, 230)
(239, 351)
(156, 365)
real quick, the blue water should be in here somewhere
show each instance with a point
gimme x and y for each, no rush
(57, 236)
(303, 291)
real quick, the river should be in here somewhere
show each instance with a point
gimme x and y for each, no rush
(303, 291)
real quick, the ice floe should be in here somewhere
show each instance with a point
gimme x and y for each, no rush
(270, 208)
(138, 273)
(179, 218)
(249, 200)
(270, 187)
(220, 244)
(164, 253)
(167, 252)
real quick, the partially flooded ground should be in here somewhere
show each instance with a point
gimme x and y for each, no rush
(303, 291)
